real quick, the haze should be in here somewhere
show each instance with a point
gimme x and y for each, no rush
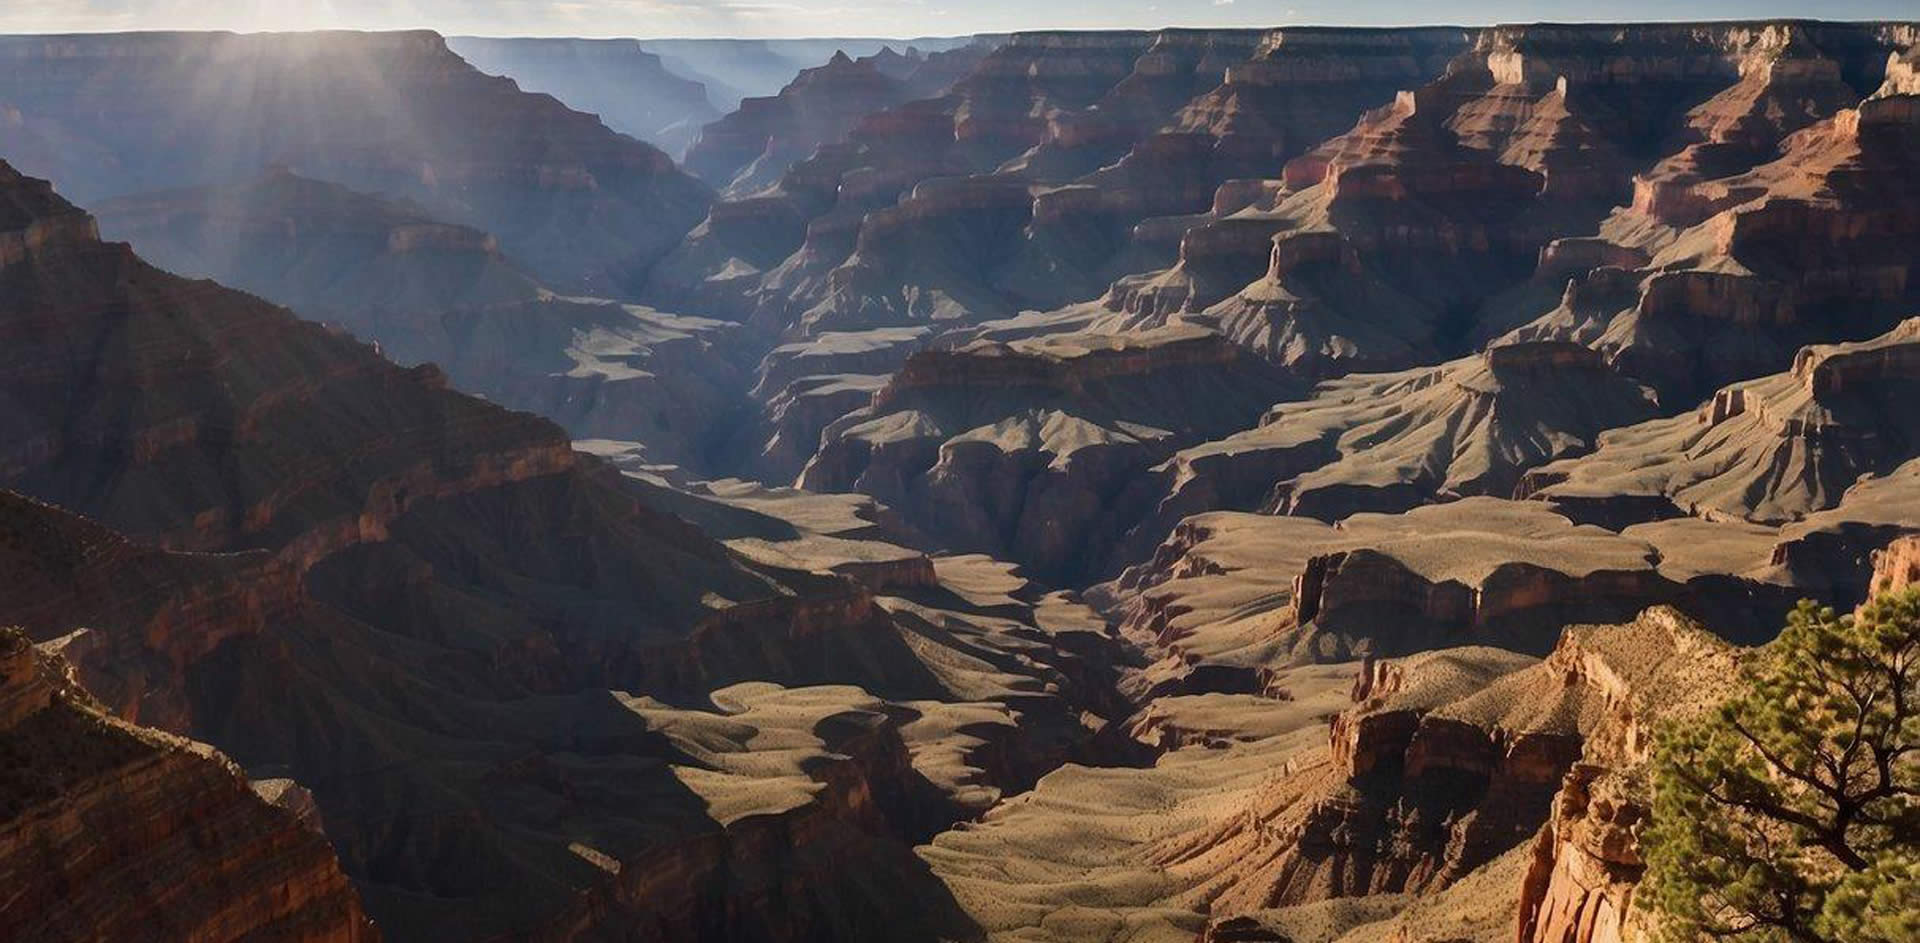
(772, 18)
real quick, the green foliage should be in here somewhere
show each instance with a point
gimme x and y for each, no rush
(1792, 813)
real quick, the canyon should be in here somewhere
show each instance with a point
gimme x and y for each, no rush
(1188, 484)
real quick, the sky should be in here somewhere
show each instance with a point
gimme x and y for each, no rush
(891, 18)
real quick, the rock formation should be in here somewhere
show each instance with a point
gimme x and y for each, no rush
(1024, 449)
(752, 147)
(737, 69)
(1437, 775)
(1771, 450)
(1234, 594)
(113, 831)
(1786, 222)
(425, 291)
(1113, 127)
(1833, 552)
(1347, 359)
(419, 605)
(1585, 863)
(1374, 442)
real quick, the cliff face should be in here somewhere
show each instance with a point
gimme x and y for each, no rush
(1026, 450)
(425, 291)
(343, 573)
(1838, 554)
(1770, 450)
(1782, 223)
(110, 831)
(1450, 201)
(1445, 762)
(1585, 864)
(396, 114)
(752, 147)
(1387, 442)
(403, 530)
(1451, 760)
(1232, 598)
(1114, 127)
(1896, 567)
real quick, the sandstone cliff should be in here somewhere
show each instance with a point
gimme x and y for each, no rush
(1770, 450)
(1026, 449)
(1388, 442)
(112, 831)
(419, 604)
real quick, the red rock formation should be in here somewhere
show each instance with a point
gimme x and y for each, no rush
(421, 565)
(112, 831)
(1586, 863)
(1896, 567)
(1448, 762)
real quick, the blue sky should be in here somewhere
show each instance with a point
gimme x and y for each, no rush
(864, 17)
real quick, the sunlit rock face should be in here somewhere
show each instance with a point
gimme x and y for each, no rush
(389, 113)
(1772, 450)
(1212, 448)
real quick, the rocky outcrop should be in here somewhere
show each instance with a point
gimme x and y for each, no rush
(1434, 773)
(1025, 449)
(585, 208)
(1452, 760)
(753, 147)
(1836, 554)
(1253, 590)
(1896, 567)
(1772, 450)
(1586, 864)
(1386, 442)
(110, 831)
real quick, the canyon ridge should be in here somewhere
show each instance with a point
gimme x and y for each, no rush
(1262, 485)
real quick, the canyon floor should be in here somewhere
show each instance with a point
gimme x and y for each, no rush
(1188, 485)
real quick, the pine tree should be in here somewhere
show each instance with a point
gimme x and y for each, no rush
(1792, 813)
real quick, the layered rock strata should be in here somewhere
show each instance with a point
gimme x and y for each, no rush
(112, 831)
(1243, 591)
(420, 606)
(1024, 449)
(1772, 450)
(1389, 442)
